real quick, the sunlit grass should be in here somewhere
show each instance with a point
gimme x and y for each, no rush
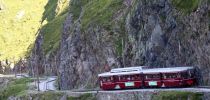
(100, 12)
(51, 31)
(52, 34)
(20, 20)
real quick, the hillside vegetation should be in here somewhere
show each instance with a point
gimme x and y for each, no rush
(16, 87)
(53, 18)
(186, 6)
(20, 24)
(20, 20)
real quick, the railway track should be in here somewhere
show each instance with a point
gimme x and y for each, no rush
(49, 83)
(207, 87)
(194, 89)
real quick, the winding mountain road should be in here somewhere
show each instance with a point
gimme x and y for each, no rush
(47, 84)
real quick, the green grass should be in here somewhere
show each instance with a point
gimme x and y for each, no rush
(20, 20)
(76, 7)
(100, 12)
(119, 47)
(86, 96)
(186, 6)
(50, 96)
(15, 88)
(52, 34)
(175, 95)
(50, 10)
(53, 18)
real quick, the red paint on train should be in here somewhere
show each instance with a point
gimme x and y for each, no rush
(148, 79)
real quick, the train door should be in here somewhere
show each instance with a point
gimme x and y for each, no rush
(142, 80)
(152, 80)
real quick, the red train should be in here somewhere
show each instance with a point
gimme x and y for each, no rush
(144, 77)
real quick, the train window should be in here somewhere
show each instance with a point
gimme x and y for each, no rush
(171, 75)
(129, 77)
(107, 79)
(152, 76)
(104, 79)
(122, 78)
(184, 75)
(137, 77)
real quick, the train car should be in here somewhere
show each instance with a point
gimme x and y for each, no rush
(121, 78)
(188, 77)
(138, 77)
(169, 77)
(152, 77)
(107, 81)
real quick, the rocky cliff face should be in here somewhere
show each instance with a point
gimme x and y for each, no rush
(101, 34)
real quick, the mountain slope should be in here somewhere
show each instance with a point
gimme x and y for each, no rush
(19, 23)
(108, 34)
(80, 38)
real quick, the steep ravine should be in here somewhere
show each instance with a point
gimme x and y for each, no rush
(98, 35)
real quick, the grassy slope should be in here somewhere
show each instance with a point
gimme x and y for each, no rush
(76, 7)
(19, 22)
(19, 32)
(52, 34)
(186, 6)
(53, 18)
(15, 88)
(100, 12)
(83, 97)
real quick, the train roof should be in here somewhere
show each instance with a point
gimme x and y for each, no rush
(124, 71)
(137, 70)
(166, 70)
(128, 69)
(119, 73)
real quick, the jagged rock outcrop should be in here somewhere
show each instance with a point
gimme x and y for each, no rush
(154, 33)
(83, 55)
(99, 35)
(162, 36)
(43, 58)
